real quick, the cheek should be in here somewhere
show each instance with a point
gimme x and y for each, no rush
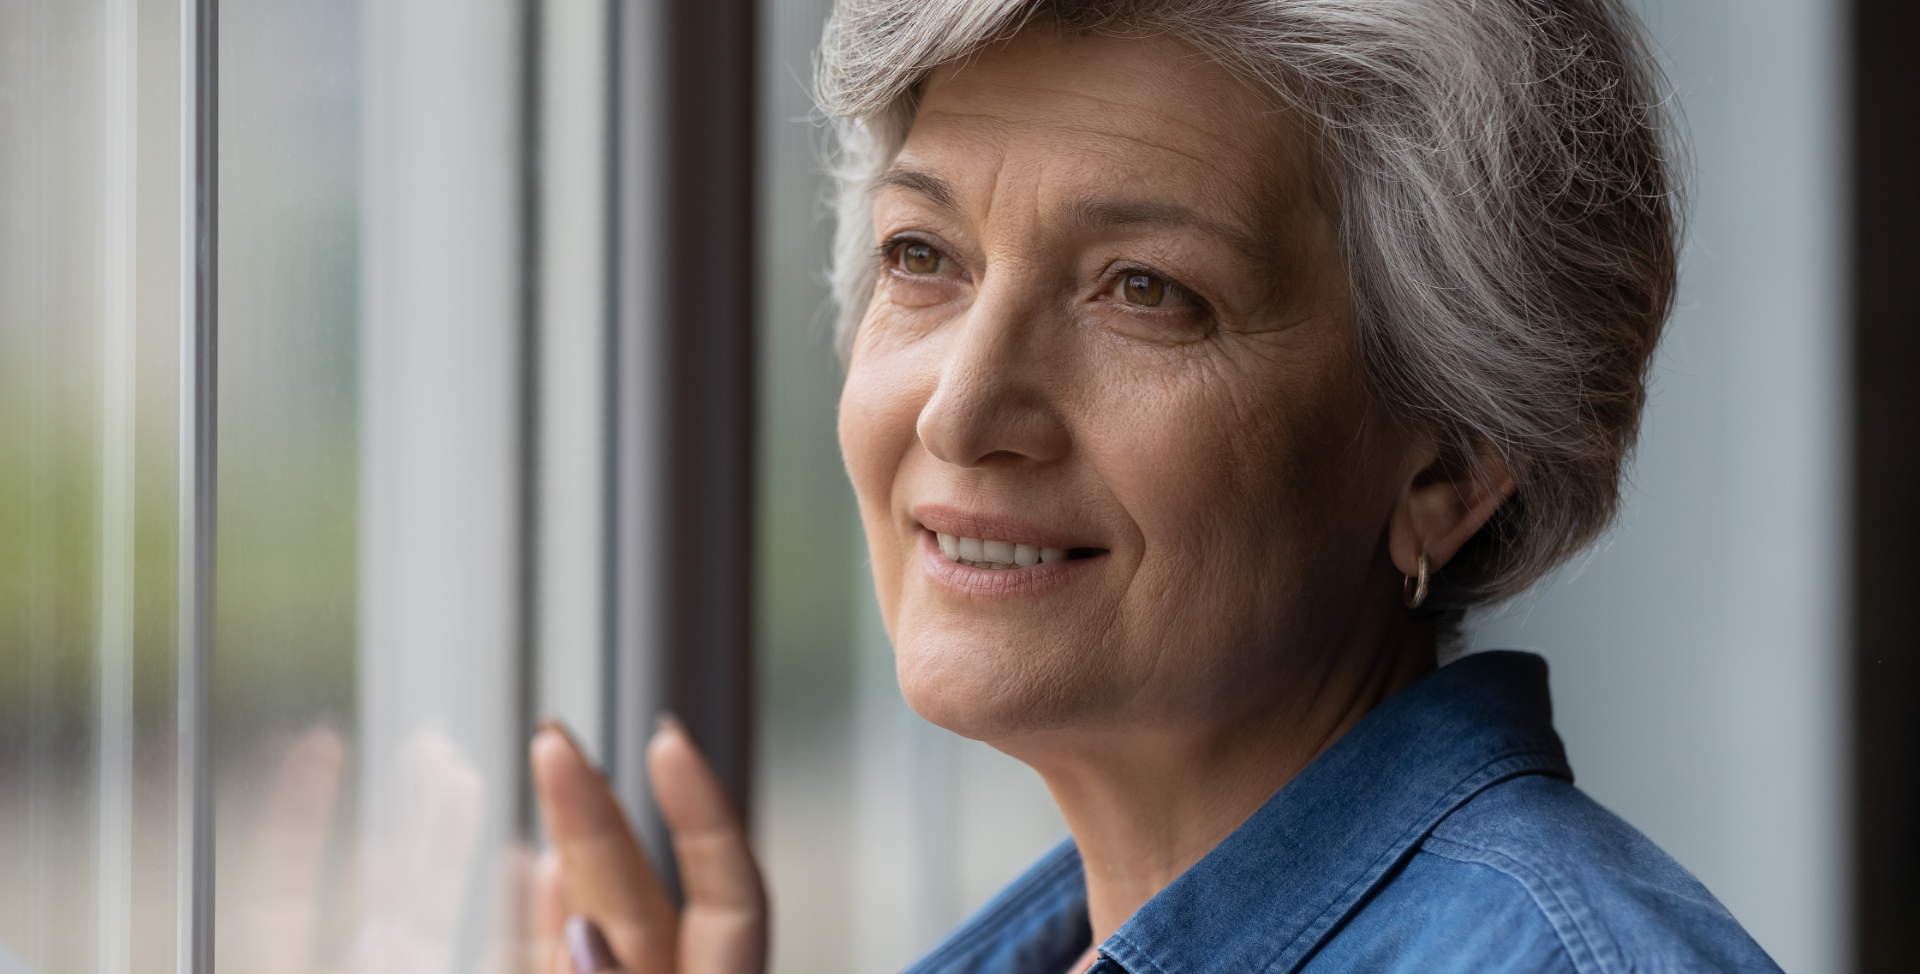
(880, 404)
(879, 407)
(865, 436)
(1253, 492)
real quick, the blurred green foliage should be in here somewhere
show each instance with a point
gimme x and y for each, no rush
(286, 626)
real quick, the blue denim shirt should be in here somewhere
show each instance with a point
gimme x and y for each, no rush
(1442, 833)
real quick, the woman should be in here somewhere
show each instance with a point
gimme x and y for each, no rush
(1207, 359)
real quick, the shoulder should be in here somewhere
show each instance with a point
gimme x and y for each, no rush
(1036, 925)
(1547, 879)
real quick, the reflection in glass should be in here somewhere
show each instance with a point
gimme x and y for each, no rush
(370, 658)
(283, 698)
(89, 364)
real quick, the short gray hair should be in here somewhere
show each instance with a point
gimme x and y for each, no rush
(1502, 175)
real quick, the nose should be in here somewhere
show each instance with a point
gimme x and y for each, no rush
(998, 399)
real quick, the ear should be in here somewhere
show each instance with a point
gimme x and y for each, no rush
(1443, 505)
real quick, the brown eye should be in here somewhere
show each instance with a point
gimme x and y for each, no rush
(1151, 291)
(919, 258)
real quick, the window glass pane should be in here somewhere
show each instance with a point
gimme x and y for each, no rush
(810, 571)
(284, 717)
(370, 649)
(89, 415)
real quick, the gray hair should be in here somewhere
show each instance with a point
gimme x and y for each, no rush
(1504, 200)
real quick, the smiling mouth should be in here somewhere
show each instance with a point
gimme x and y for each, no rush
(1002, 555)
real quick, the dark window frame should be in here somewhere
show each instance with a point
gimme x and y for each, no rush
(681, 354)
(1885, 706)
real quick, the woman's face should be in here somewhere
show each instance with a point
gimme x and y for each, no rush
(1112, 352)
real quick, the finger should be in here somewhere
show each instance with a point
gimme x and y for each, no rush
(724, 928)
(605, 874)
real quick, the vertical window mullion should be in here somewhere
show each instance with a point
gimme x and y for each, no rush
(708, 330)
(682, 373)
(199, 296)
(635, 561)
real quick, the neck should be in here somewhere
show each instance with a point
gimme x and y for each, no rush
(1144, 803)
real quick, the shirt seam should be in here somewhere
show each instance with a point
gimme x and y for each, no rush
(1130, 957)
(1341, 907)
(1588, 945)
(1409, 840)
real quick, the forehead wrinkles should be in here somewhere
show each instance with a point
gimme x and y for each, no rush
(1051, 166)
(1183, 102)
(1236, 159)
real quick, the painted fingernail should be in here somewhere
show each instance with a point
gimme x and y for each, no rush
(589, 947)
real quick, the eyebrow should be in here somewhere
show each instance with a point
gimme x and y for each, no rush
(937, 190)
(1089, 214)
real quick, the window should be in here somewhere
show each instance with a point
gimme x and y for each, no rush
(272, 631)
(478, 370)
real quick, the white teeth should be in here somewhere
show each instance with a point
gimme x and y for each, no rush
(980, 553)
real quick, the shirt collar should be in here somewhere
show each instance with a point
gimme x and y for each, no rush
(1264, 898)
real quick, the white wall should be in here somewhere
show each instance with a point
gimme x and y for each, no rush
(1699, 655)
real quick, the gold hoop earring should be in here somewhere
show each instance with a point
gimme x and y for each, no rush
(1413, 593)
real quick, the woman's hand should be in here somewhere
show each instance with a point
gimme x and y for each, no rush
(598, 871)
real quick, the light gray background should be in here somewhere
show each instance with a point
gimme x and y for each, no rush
(1699, 656)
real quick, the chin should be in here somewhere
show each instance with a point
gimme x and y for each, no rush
(981, 688)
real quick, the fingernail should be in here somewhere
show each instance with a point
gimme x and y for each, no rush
(589, 947)
(667, 719)
(559, 728)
